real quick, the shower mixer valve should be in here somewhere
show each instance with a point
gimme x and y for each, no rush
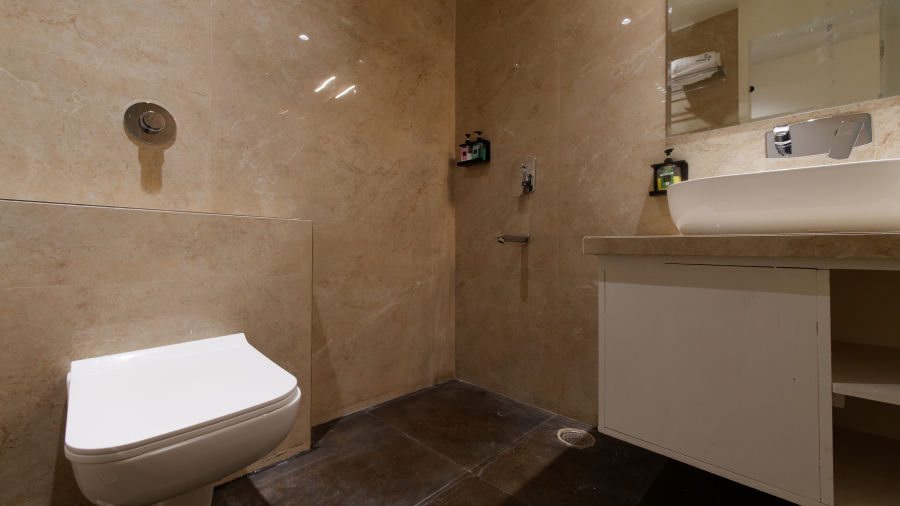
(529, 168)
(527, 182)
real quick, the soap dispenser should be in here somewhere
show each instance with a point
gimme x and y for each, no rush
(465, 150)
(481, 148)
(668, 173)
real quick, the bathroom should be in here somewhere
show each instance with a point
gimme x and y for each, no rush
(311, 200)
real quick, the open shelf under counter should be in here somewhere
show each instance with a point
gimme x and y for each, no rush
(868, 372)
(866, 468)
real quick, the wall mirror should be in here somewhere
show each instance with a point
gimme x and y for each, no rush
(736, 61)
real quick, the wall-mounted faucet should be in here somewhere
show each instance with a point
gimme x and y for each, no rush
(527, 182)
(782, 140)
(835, 136)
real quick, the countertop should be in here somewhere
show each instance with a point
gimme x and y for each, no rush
(861, 246)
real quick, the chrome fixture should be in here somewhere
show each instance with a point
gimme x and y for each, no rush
(782, 140)
(529, 170)
(502, 238)
(527, 181)
(835, 136)
(150, 123)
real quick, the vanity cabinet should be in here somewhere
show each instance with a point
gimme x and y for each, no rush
(719, 366)
(771, 360)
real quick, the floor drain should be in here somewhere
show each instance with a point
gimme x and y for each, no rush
(576, 438)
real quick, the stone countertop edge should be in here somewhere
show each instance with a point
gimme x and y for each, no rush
(821, 245)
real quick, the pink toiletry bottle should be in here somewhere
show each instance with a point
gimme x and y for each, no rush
(464, 149)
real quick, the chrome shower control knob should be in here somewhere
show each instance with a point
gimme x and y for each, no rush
(152, 122)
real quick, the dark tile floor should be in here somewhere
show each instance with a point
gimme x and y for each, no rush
(457, 444)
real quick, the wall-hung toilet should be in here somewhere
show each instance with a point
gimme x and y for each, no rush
(163, 424)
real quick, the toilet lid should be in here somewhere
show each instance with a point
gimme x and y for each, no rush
(124, 401)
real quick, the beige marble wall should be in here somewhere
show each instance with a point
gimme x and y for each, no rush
(558, 87)
(81, 281)
(370, 169)
(567, 82)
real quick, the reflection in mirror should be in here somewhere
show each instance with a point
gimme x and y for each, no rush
(734, 61)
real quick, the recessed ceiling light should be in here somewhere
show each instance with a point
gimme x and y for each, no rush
(303, 36)
(626, 21)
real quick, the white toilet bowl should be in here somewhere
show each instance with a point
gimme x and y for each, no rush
(163, 424)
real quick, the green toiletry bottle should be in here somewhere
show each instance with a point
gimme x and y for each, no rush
(668, 172)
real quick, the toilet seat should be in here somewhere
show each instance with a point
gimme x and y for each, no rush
(125, 405)
(180, 437)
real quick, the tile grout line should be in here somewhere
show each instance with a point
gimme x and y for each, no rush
(495, 487)
(517, 401)
(468, 471)
(151, 210)
(430, 449)
(413, 439)
(550, 414)
(481, 466)
(445, 487)
(474, 466)
(471, 474)
(512, 444)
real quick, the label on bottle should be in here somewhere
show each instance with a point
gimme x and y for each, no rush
(666, 176)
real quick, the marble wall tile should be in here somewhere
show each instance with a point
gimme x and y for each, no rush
(741, 148)
(147, 246)
(507, 84)
(166, 42)
(371, 169)
(64, 140)
(149, 301)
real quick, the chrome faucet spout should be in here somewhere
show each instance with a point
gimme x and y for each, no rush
(844, 139)
(835, 136)
(782, 140)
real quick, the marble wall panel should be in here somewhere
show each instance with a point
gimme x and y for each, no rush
(84, 281)
(371, 169)
(167, 42)
(63, 139)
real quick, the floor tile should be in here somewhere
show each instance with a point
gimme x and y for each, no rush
(357, 460)
(468, 491)
(682, 485)
(540, 469)
(240, 492)
(463, 422)
(417, 450)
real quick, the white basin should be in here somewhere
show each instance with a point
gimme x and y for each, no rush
(846, 197)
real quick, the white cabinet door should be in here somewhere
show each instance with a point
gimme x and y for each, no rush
(718, 364)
